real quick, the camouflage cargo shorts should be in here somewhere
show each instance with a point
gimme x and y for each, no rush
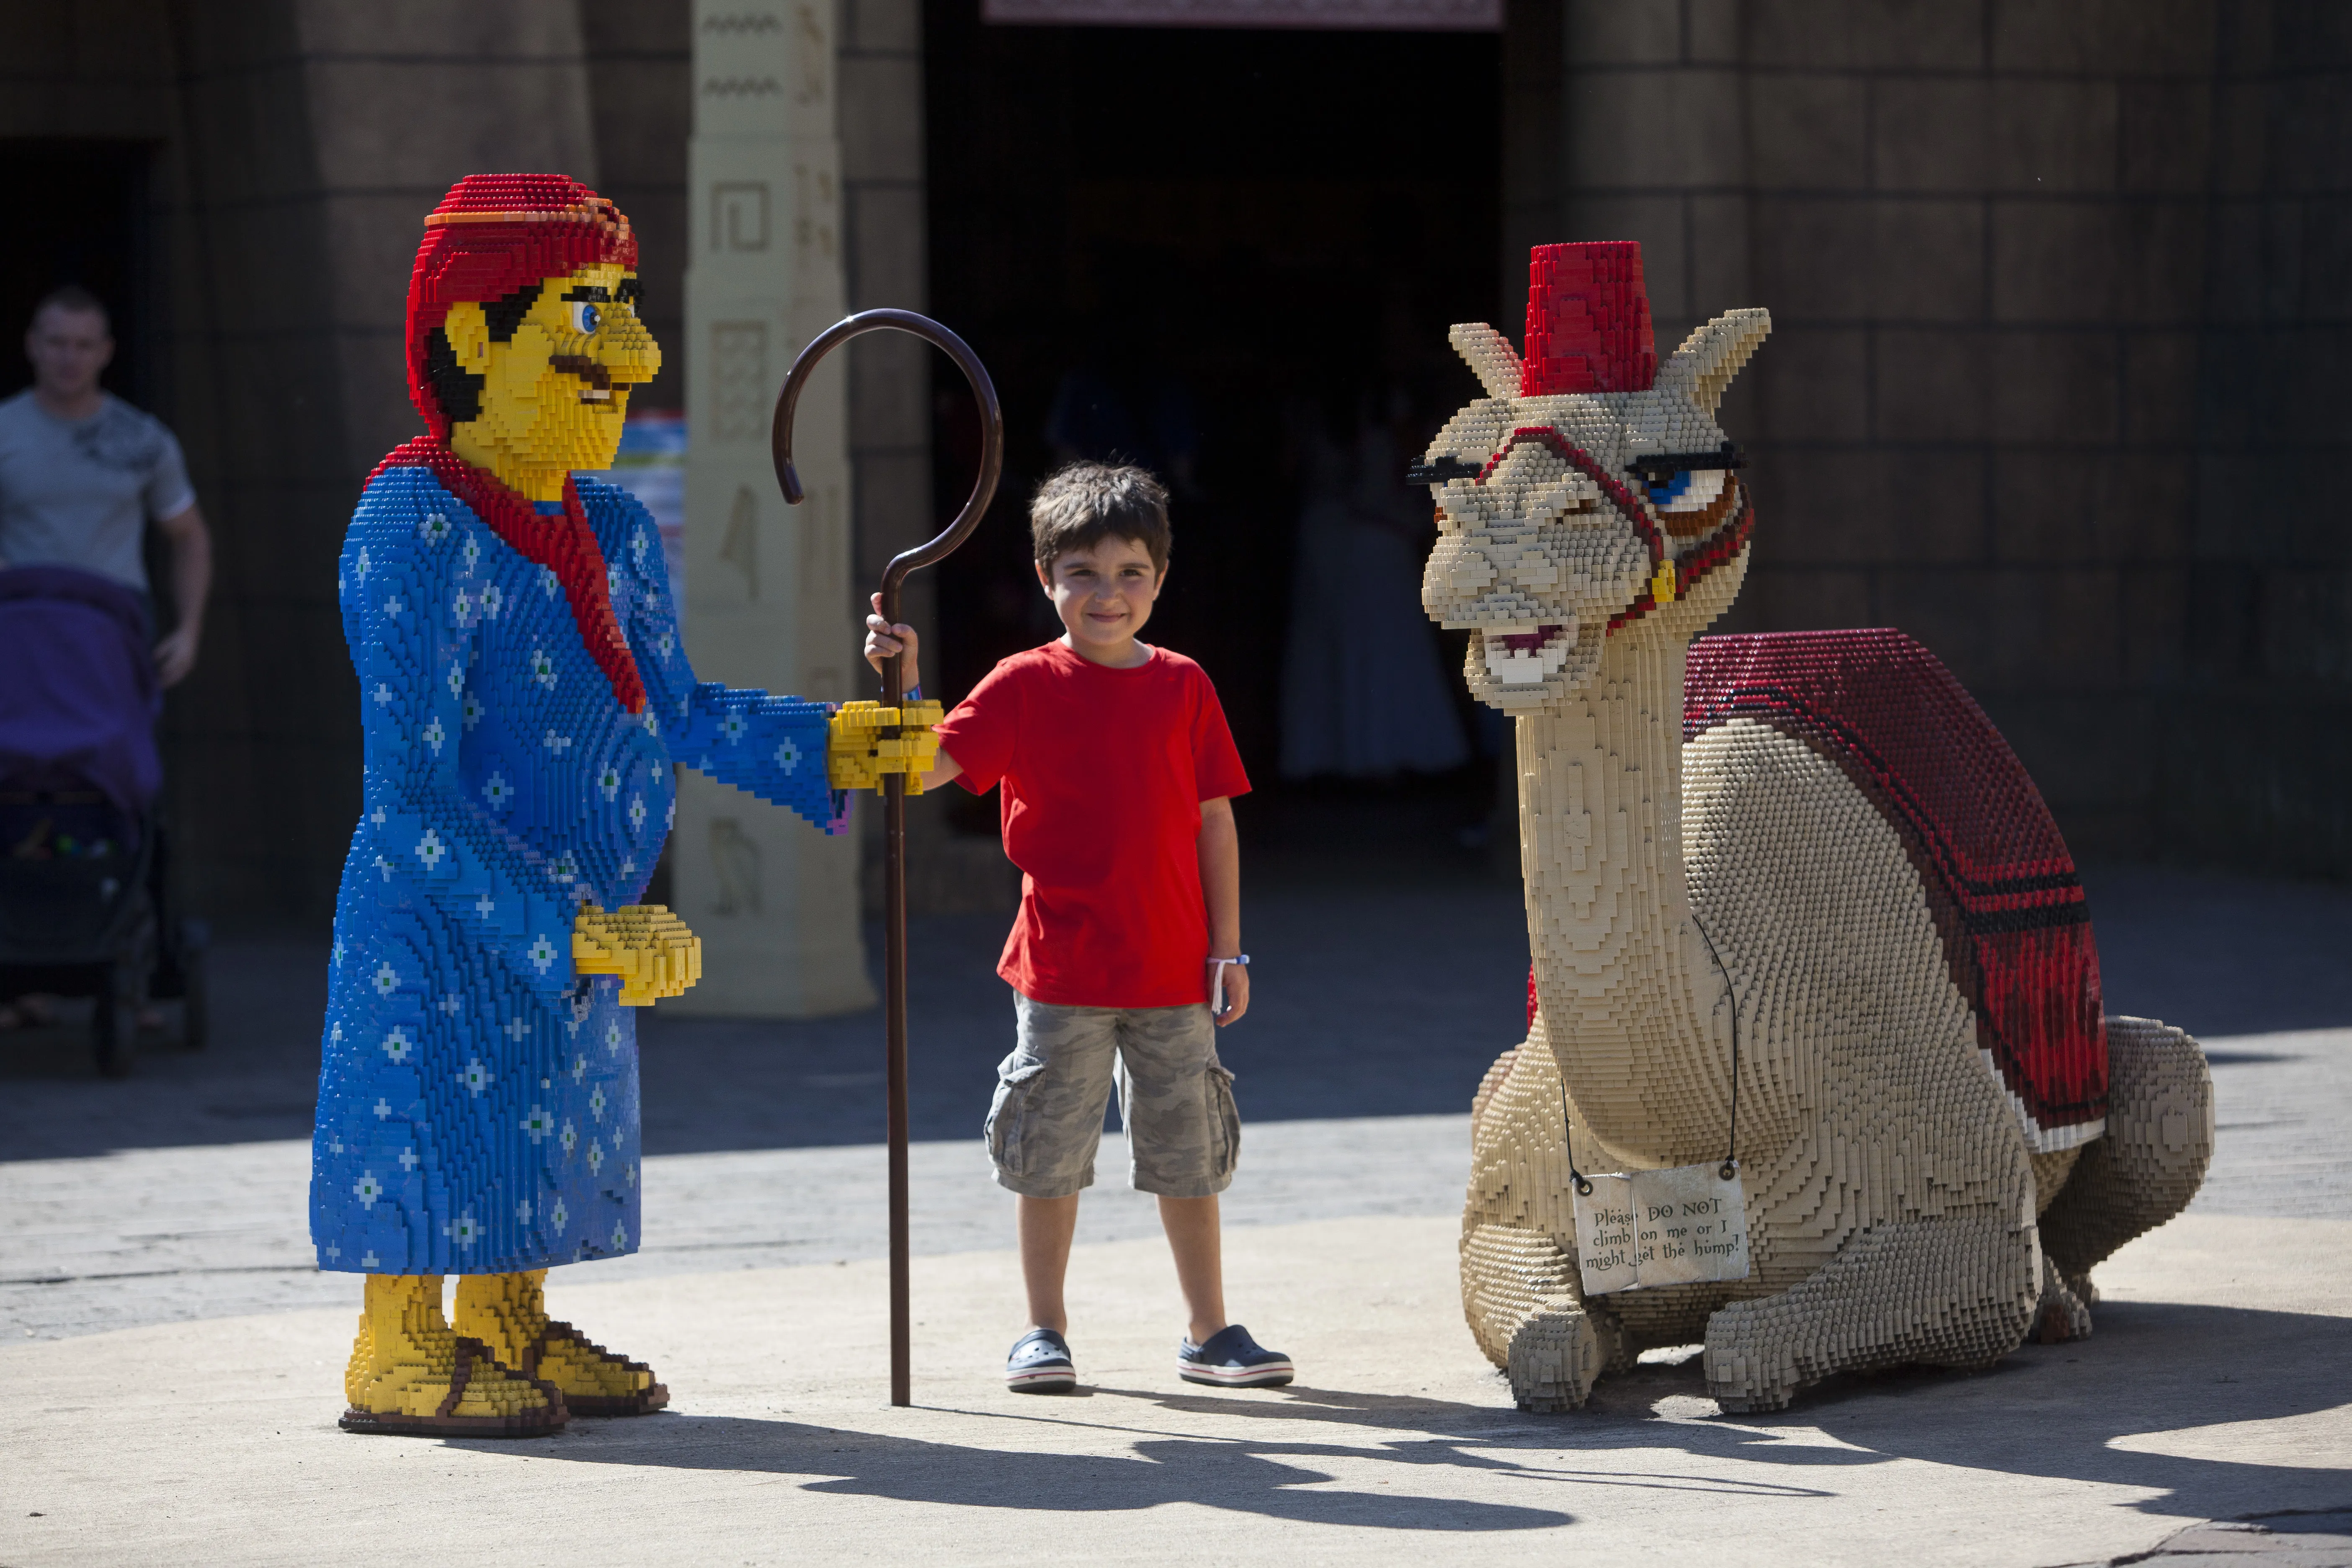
(1175, 1099)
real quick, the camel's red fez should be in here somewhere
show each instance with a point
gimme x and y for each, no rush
(491, 234)
(1588, 321)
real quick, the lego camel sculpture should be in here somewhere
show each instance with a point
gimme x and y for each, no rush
(1803, 871)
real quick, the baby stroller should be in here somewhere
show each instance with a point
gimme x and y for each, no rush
(82, 904)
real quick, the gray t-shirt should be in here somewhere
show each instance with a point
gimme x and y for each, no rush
(78, 493)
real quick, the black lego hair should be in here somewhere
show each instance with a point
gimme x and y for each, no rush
(458, 390)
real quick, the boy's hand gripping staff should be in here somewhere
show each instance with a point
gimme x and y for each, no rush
(892, 737)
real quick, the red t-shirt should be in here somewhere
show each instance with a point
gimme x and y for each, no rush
(1104, 773)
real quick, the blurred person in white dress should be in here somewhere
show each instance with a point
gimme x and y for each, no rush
(1365, 693)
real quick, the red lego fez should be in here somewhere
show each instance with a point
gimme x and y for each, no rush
(491, 234)
(1588, 321)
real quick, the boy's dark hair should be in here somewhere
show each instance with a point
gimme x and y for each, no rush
(1081, 505)
(75, 298)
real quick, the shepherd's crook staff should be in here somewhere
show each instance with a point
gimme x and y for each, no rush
(894, 785)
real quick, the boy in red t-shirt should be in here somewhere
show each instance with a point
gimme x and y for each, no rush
(1118, 776)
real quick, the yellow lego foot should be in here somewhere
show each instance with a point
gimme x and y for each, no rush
(412, 1375)
(508, 1313)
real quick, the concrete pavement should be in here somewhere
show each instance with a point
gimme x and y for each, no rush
(2214, 1386)
(145, 1236)
(175, 1362)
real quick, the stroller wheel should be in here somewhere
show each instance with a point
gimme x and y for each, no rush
(111, 1026)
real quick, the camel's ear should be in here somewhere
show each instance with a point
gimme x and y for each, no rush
(1703, 367)
(1490, 355)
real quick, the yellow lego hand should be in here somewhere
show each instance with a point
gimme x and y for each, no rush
(649, 947)
(861, 746)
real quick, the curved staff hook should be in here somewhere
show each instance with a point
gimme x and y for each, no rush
(894, 785)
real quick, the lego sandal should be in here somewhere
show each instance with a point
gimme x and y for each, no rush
(1040, 1363)
(1231, 1360)
(498, 1396)
(592, 1379)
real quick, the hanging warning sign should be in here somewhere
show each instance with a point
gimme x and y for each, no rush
(1673, 1226)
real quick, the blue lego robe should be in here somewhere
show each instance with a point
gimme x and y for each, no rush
(478, 1100)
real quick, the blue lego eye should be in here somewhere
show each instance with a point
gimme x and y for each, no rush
(585, 317)
(1693, 490)
(1686, 481)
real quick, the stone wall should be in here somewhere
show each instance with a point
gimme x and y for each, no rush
(245, 724)
(295, 144)
(2060, 291)
(313, 134)
(2057, 290)
(2257, 722)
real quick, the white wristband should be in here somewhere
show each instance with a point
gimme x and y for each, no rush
(1217, 994)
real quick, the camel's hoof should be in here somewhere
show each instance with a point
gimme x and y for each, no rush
(1762, 1405)
(1739, 1381)
(2061, 1315)
(1737, 1398)
(1554, 1356)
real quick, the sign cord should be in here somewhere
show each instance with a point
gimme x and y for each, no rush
(1731, 1151)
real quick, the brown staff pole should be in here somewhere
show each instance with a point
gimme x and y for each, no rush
(894, 785)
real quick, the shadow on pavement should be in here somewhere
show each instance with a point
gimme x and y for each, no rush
(2054, 1412)
(1241, 1475)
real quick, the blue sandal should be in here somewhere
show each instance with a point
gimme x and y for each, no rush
(1040, 1363)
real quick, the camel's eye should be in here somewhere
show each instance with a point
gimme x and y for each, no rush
(585, 317)
(1685, 481)
(1445, 468)
(1689, 490)
(1660, 467)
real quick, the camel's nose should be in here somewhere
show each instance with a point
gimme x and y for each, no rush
(1460, 567)
(1452, 579)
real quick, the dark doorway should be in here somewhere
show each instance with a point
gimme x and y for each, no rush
(78, 213)
(1179, 244)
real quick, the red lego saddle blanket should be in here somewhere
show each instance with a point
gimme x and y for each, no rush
(2000, 881)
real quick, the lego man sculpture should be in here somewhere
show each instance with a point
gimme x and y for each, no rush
(524, 693)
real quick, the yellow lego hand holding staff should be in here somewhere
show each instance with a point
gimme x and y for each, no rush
(867, 741)
(649, 947)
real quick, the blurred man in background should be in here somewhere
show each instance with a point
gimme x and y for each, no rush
(82, 473)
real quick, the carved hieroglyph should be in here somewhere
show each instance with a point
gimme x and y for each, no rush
(1813, 842)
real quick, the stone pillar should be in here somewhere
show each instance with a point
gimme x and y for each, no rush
(775, 903)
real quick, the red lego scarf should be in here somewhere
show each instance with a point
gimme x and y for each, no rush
(566, 546)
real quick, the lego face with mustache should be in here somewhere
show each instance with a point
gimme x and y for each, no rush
(1566, 518)
(541, 377)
